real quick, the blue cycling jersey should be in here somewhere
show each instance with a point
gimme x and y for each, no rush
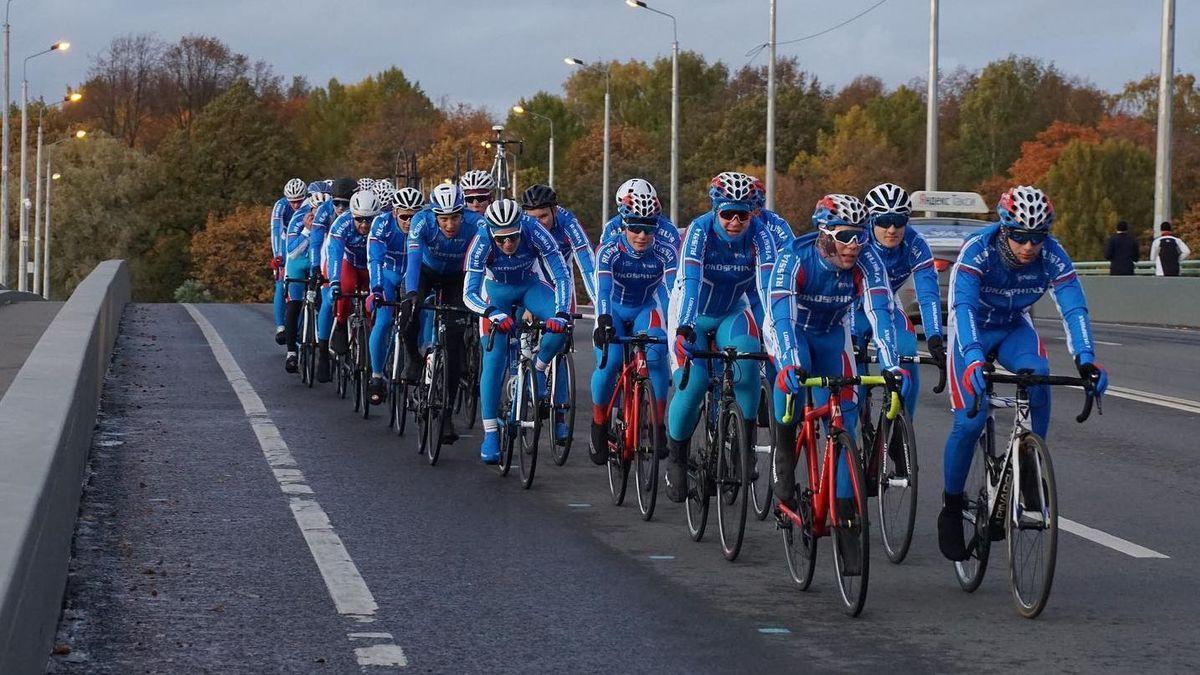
(631, 280)
(536, 246)
(810, 295)
(720, 271)
(387, 248)
(322, 220)
(344, 241)
(429, 247)
(573, 244)
(296, 239)
(281, 215)
(912, 258)
(986, 293)
(665, 231)
(779, 228)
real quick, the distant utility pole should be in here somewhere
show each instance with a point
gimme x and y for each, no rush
(1166, 90)
(931, 110)
(771, 109)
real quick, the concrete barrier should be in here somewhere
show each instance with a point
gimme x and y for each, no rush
(1162, 301)
(46, 423)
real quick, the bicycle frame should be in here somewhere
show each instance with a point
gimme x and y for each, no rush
(635, 369)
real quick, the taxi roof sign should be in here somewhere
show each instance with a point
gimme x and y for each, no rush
(948, 202)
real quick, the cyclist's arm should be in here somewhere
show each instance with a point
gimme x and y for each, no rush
(876, 293)
(966, 297)
(780, 314)
(548, 248)
(1068, 296)
(475, 263)
(582, 249)
(669, 232)
(334, 250)
(316, 241)
(693, 272)
(376, 250)
(416, 252)
(277, 229)
(764, 255)
(925, 281)
(669, 254)
(297, 239)
(604, 279)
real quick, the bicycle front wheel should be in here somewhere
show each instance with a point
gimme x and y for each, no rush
(530, 427)
(435, 407)
(618, 459)
(471, 375)
(976, 522)
(760, 463)
(853, 534)
(310, 347)
(1031, 527)
(799, 540)
(897, 501)
(698, 478)
(562, 375)
(645, 458)
(732, 481)
(342, 370)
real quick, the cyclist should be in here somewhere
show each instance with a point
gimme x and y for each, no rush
(639, 189)
(437, 249)
(294, 194)
(812, 295)
(478, 188)
(345, 261)
(507, 251)
(323, 221)
(727, 255)
(297, 267)
(633, 273)
(1001, 271)
(779, 227)
(387, 257)
(904, 254)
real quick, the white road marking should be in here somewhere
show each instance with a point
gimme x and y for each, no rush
(345, 584)
(1105, 539)
(1099, 342)
(1155, 399)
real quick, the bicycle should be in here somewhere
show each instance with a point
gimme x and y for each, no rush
(816, 490)
(506, 184)
(891, 461)
(632, 434)
(398, 395)
(354, 367)
(563, 362)
(431, 399)
(308, 327)
(720, 466)
(760, 471)
(468, 386)
(993, 510)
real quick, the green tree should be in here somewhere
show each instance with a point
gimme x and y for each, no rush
(1092, 186)
(851, 159)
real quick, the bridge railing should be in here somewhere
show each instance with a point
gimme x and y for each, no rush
(1145, 268)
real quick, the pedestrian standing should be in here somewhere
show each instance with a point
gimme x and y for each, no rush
(1167, 252)
(1121, 251)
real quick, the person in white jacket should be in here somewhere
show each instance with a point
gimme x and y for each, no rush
(1167, 252)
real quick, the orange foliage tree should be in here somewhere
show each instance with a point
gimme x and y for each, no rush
(230, 255)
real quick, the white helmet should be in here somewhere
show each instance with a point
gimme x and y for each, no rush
(637, 198)
(295, 189)
(503, 216)
(409, 198)
(387, 196)
(365, 183)
(888, 198)
(365, 204)
(446, 198)
(477, 180)
(315, 199)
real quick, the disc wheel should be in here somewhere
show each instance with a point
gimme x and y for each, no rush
(645, 453)
(530, 429)
(852, 534)
(562, 377)
(897, 480)
(732, 482)
(799, 541)
(1032, 527)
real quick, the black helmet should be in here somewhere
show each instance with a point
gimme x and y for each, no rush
(539, 196)
(343, 188)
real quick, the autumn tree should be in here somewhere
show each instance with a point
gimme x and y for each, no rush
(228, 255)
(851, 159)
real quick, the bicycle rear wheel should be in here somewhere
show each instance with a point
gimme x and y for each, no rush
(1032, 527)
(508, 423)
(530, 429)
(698, 479)
(435, 407)
(564, 412)
(645, 455)
(760, 462)
(799, 541)
(732, 481)
(976, 522)
(342, 372)
(853, 587)
(471, 376)
(310, 347)
(897, 487)
(618, 460)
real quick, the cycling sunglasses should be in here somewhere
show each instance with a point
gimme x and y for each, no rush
(855, 236)
(341, 202)
(639, 228)
(362, 219)
(1023, 237)
(404, 216)
(735, 216)
(891, 221)
(505, 238)
(478, 198)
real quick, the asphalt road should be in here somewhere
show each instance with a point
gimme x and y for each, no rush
(188, 556)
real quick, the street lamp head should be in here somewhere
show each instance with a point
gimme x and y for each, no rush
(81, 133)
(56, 176)
(520, 110)
(571, 61)
(61, 46)
(635, 3)
(74, 97)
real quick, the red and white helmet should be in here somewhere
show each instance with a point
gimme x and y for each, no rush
(637, 198)
(1025, 208)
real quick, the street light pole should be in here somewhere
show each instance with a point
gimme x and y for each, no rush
(23, 250)
(37, 212)
(604, 194)
(1166, 92)
(639, 4)
(50, 176)
(771, 109)
(4, 171)
(931, 109)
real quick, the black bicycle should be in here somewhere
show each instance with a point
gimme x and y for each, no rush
(308, 326)
(561, 382)
(720, 466)
(468, 386)
(431, 398)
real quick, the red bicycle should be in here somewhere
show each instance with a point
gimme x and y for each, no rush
(631, 434)
(816, 514)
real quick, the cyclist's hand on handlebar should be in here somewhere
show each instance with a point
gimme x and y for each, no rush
(685, 343)
(500, 321)
(276, 263)
(335, 289)
(604, 330)
(1092, 371)
(408, 307)
(559, 323)
(899, 380)
(937, 349)
(790, 379)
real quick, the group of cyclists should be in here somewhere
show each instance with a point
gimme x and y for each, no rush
(736, 278)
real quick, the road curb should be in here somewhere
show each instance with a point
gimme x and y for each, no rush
(8, 297)
(46, 423)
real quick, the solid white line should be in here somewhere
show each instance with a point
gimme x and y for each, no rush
(1155, 399)
(1105, 539)
(1099, 342)
(345, 584)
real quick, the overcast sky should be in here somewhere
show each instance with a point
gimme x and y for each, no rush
(493, 52)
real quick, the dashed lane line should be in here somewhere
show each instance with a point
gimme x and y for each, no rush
(345, 584)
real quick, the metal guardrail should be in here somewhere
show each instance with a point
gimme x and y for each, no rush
(1145, 268)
